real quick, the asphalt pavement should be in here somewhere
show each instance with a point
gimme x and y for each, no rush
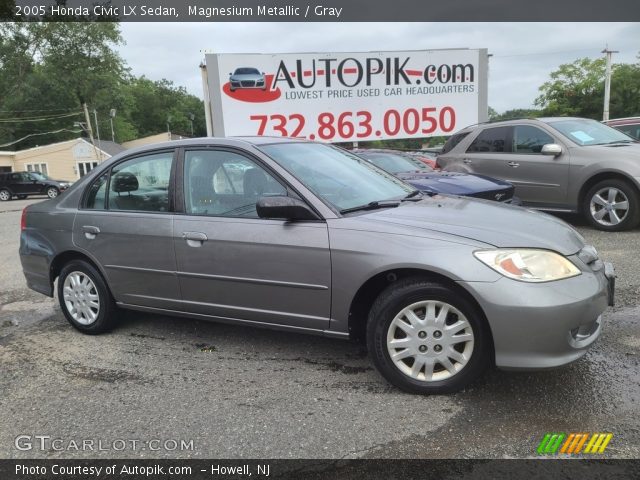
(177, 388)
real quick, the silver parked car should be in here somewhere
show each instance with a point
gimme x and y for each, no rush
(306, 237)
(247, 77)
(556, 164)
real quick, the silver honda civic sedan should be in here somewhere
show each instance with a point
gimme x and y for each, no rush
(306, 237)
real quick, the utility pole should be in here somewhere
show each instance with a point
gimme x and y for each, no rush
(607, 82)
(95, 115)
(112, 114)
(89, 130)
(191, 117)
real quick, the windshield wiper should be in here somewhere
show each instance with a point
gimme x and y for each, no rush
(412, 196)
(372, 206)
(614, 142)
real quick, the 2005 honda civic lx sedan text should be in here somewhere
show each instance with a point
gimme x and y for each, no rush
(307, 237)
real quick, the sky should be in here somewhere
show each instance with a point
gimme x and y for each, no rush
(523, 54)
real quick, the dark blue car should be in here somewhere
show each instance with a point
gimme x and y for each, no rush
(425, 179)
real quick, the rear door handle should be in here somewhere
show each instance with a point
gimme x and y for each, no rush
(513, 164)
(90, 231)
(194, 239)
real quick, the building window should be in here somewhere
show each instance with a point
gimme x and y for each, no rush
(37, 167)
(85, 167)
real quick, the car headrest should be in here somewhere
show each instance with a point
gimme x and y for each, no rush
(255, 182)
(124, 182)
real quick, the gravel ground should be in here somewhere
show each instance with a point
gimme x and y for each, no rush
(241, 392)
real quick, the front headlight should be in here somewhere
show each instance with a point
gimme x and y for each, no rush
(528, 265)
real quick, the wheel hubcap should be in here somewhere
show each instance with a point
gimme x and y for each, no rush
(609, 206)
(52, 192)
(4, 196)
(430, 341)
(81, 298)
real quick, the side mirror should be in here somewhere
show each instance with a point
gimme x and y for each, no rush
(287, 208)
(551, 149)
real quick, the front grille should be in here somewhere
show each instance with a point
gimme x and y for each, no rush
(247, 83)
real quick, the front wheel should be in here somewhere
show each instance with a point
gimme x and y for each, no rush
(5, 195)
(612, 205)
(52, 192)
(426, 338)
(85, 299)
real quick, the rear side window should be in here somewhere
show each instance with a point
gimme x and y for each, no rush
(528, 139)
(453, 141)
(491, 140)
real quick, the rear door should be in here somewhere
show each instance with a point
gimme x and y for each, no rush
(487, 153)
(126, 225)
(233, 264)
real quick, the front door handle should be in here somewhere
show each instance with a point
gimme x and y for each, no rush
(90, 231)
(468, 161)
(513, 164)
(194, 239)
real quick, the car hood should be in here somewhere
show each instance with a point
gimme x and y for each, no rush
(617, 150)
(452, 182)
(480, 220)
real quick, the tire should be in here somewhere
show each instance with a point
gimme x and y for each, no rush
(21, 197)
(52, 192)
(5, 195)
(89, 319)
(600, 200)
(472, 354)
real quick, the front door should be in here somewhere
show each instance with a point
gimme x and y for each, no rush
(539, 179)
(126, 225)
(233, 264)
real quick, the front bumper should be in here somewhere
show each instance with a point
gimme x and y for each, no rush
(545, 325)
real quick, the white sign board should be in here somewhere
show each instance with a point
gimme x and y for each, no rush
(338, 97)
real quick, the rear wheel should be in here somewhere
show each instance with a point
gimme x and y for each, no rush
(85, 299)
(5, 195)
(426, 338)
(52, 192)
(612, 205)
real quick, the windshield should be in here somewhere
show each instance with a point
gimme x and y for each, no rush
(394, 163)
(590, 132)
(246, 71)
(336, 176)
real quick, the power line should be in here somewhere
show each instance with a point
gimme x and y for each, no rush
(61, 110)
(37, 134)
(37, 119)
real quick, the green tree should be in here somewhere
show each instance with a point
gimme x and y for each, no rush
(50, 69)
(158, 103)
(516, 113)
(577, 89)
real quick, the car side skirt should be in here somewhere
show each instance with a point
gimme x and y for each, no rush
(236, 321)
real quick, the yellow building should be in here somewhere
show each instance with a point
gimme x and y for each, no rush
(68, 160)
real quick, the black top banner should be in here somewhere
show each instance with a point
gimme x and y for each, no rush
(322, 10)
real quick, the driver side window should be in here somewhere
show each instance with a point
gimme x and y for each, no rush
(225, 184)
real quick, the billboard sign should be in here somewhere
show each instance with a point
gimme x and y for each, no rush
(338, 97)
